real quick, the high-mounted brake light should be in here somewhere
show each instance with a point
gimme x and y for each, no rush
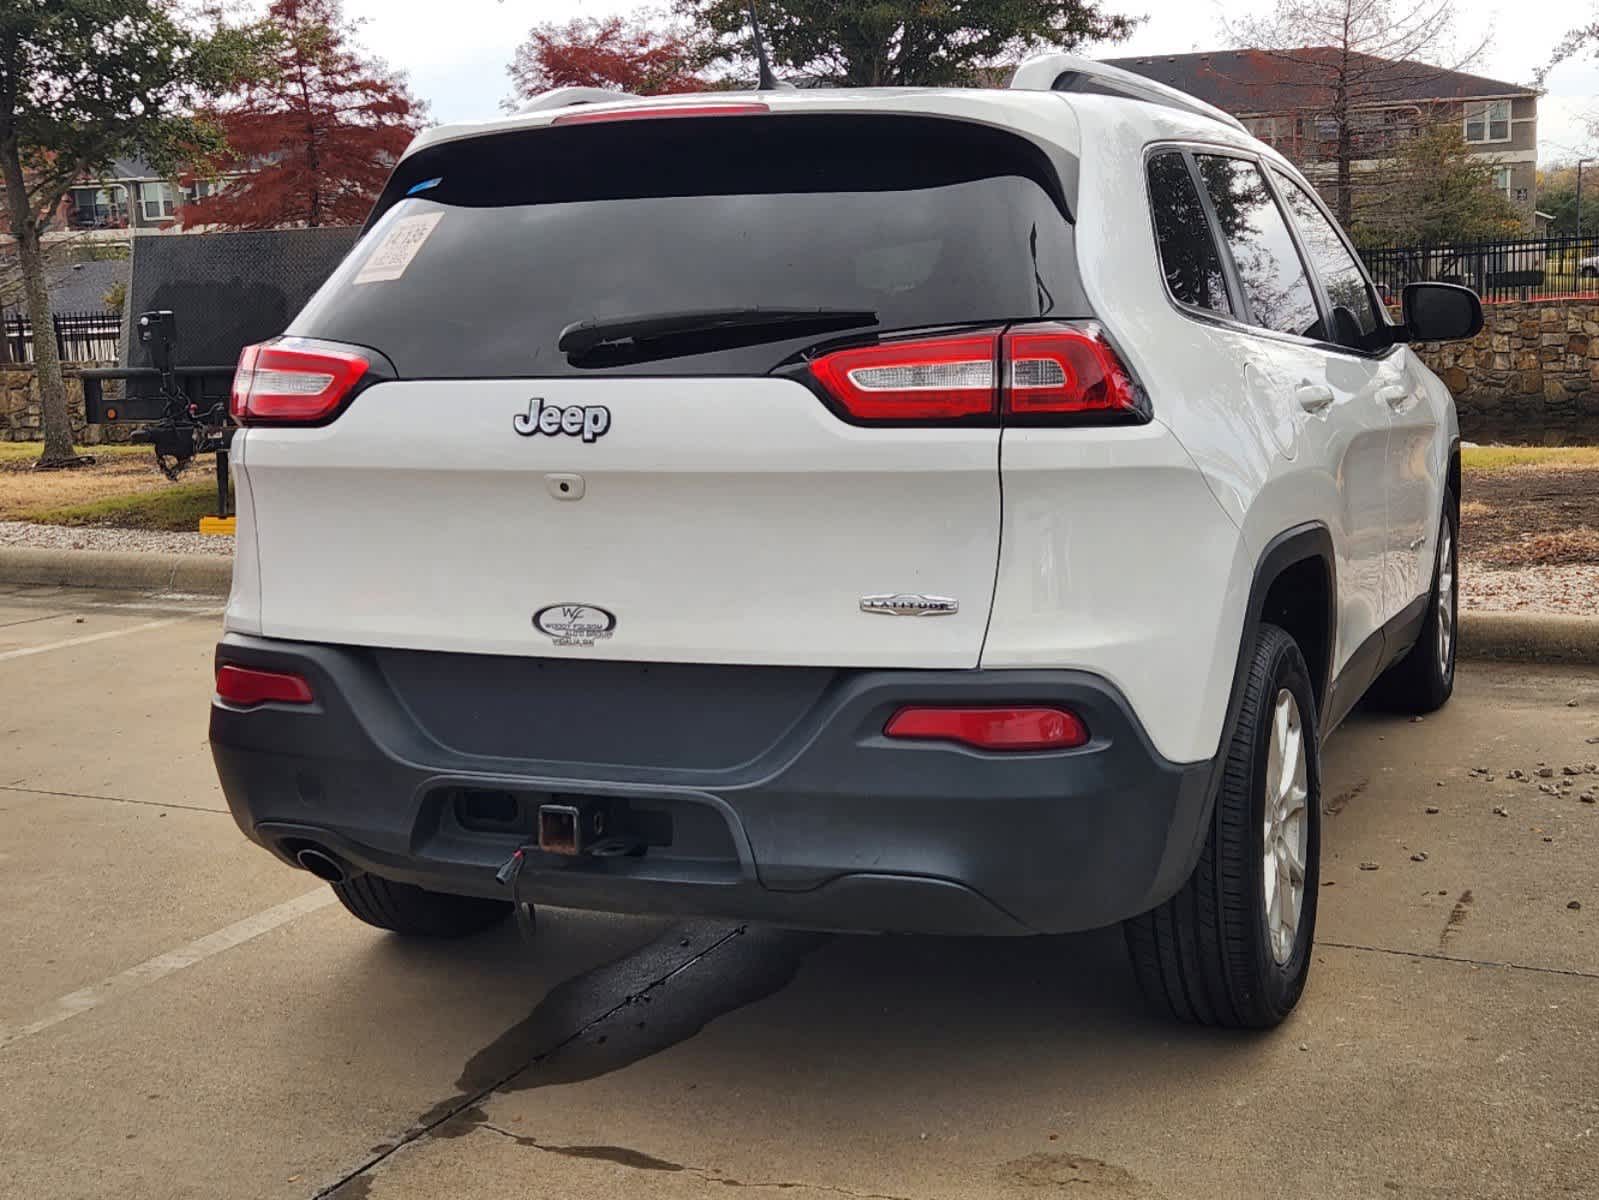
(927, 379)
(1054, 370)
(277, 385)
(992, 728)
(245, 687)
(595, 117)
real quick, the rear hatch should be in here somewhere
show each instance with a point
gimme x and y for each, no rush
(667, 481)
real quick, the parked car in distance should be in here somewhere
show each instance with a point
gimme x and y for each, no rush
(923, 510)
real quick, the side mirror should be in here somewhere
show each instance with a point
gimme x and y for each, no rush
(1440, 312)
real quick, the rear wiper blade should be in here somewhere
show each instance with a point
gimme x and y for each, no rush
(650, 335)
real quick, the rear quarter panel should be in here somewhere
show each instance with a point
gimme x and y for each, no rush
(1234, 436)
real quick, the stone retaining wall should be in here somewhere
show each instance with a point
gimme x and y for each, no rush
(20, 417)
(1531, 376)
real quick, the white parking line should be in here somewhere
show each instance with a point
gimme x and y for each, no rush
(99, 637)
(82, 1000)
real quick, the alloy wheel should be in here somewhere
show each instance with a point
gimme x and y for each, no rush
(1286, 826)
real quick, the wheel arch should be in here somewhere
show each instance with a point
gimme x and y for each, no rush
(1283, 569)
(1295, 586)
(1289, 559)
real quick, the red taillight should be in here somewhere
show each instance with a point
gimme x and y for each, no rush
(992, 728)
(585, 117)
(1064, 369)
(245, 687)
(928, 379)
(277, 384)
(1049, 372)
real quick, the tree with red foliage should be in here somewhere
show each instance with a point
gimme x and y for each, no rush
(315, 139)
(627, 55)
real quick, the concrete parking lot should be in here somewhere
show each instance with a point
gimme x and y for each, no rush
(181, 1016)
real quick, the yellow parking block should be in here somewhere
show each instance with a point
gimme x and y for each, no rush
(217, 524)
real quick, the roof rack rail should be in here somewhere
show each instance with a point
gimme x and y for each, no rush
(564, 97)
(1069, 73)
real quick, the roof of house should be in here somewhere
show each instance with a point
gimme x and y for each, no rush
(120, 170)
(73, 286)
(81, 287)
(1265, 81)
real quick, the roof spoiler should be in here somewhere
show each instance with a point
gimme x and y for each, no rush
(1069, 73)
(565, 97)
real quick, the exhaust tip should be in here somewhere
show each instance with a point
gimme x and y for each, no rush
(322, 864)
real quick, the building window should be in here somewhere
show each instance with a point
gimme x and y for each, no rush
(158, 200)
(201, 189)
(1488, 121)
(1266, 128)
(98, 208)
(1376, 131)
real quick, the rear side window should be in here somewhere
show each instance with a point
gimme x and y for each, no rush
(1341, 275)
(1188, 255)
(485, 249)
(1269, 271)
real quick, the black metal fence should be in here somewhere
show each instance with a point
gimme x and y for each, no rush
(80, 336)
(1517, 269)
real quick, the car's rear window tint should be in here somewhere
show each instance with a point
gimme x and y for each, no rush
(1188, 254)
(507, 240)
(1269, 270)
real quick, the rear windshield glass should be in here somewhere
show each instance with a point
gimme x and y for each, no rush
(482, 252)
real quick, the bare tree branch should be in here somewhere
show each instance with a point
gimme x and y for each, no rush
(1340, 57)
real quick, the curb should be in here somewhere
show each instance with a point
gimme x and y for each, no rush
(135, 571)
(1501, 636)
(1529, 637)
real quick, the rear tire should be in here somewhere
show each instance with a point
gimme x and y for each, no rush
(1225, 950)
(411, 911)
(1423, 680)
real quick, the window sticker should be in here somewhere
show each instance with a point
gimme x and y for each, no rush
(398, 247)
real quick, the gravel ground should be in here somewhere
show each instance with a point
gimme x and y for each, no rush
(86, 537)
(1557, 589)
(1573, 589)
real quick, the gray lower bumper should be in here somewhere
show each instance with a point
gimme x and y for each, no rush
(808, 817)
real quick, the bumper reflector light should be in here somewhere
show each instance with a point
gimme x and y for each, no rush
(245, 687)
(1009, 728)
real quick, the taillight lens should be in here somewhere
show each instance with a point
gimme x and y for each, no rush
(275, 384)
(245, 687)
(1046, 374)
(992, 728)
(1056, 370)
(585, 117)
(926, 379)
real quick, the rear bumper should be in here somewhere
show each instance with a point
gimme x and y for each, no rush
(810, 818)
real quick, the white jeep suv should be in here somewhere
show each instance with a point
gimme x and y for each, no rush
(942, 511)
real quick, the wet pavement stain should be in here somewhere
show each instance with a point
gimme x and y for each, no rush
(471, 1119)
(649, 1010)
(610, 1017)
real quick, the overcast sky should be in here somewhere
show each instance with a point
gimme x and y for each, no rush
(456, 53)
